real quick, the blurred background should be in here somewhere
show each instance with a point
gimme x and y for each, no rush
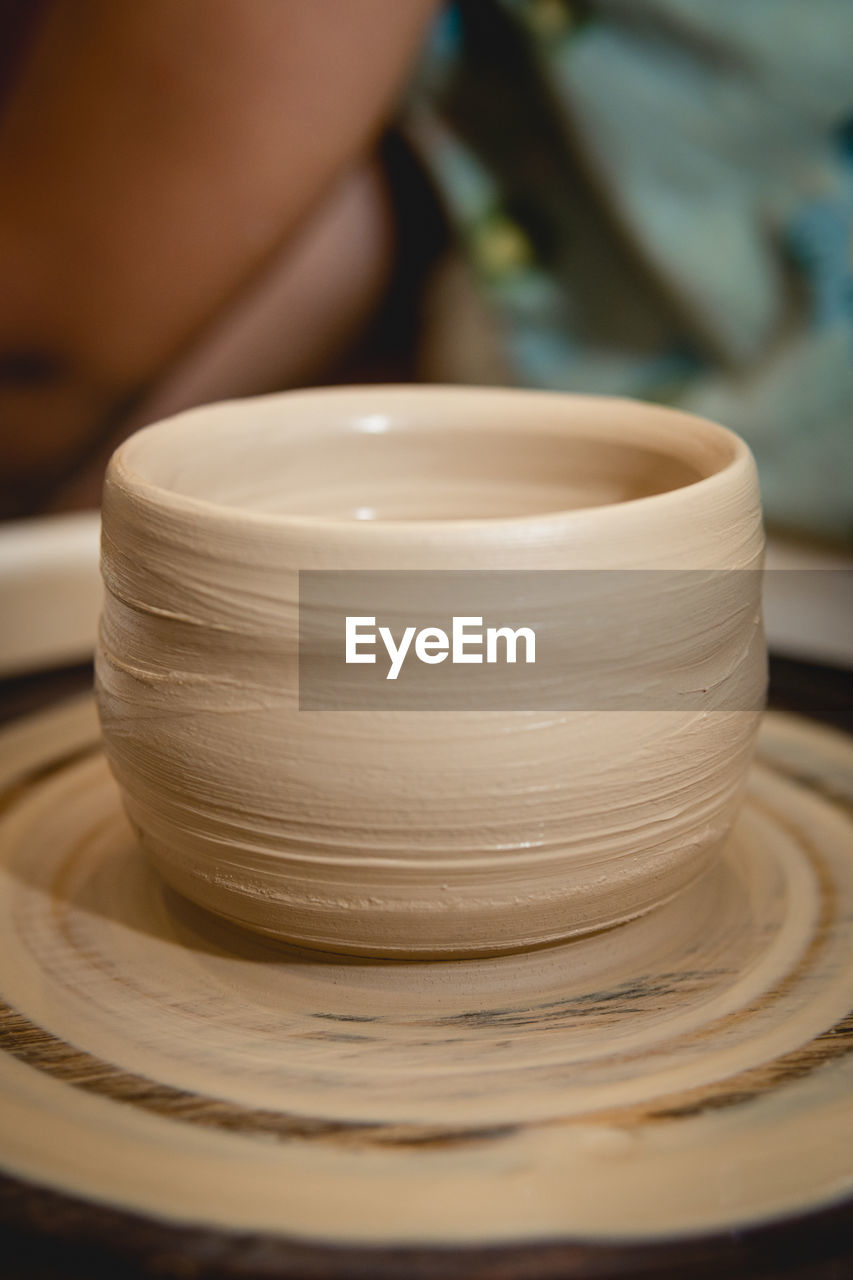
(202, 199)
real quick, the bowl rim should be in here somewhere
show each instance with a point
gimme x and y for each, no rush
(121, 471)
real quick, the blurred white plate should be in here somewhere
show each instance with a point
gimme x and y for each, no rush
(50, 592)
(808, 603)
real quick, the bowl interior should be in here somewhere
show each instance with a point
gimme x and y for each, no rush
(448, 459)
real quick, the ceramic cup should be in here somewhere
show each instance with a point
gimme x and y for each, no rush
(438, 832)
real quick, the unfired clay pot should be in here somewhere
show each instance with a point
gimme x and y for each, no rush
(424, 833)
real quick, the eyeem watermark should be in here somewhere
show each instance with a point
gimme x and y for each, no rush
(467, 642)
(550, 640)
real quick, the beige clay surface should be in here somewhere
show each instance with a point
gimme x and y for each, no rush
(447, 833)
(689, 1070)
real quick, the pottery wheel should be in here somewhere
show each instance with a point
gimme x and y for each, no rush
(685, 1073)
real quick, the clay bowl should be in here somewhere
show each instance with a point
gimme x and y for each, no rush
(448, 832)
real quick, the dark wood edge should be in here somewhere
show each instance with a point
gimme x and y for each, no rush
(812, 689)
(25, 694)
(47, 1234)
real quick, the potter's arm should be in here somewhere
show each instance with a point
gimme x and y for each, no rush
(152, 159)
